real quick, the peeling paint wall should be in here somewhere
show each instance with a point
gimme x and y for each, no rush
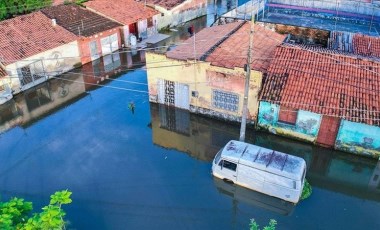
(358, 138)
(358, 7)
(305, 128)
(187, 11)
(207, 84)
(51, 63)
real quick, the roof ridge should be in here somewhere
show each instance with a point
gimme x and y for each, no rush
(208, 52)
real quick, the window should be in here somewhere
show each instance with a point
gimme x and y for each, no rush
(225, 100)
(228, 165)
(217, 157)
(287, 115)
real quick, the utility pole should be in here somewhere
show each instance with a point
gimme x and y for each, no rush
(247, 80)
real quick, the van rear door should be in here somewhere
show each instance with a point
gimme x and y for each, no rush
(228, 170)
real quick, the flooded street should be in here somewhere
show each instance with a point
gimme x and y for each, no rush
(150, 168)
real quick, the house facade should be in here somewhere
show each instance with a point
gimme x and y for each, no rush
(324, 97)
(178, 11)
(137, 20)
(97, 35)
(31, 52)
(207, 76)
(5, 89)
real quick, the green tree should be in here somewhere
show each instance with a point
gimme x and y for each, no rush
(10, 8)
(15, 214)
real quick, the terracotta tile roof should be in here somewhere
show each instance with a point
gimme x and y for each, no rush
(79, 20)
(233, 52)
(123, 11)
(324, 83)
(3, 73)
(167, 4)
(205, 40)
(366, 45)
(358, 44)
(30, 34)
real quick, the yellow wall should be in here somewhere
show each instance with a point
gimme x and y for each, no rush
(186, 72)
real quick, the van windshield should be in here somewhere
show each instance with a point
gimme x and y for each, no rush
(217, 157)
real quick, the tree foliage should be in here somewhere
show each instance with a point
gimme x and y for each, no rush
(306, 191)
(10, 8)
(254, 226)
(15, 214)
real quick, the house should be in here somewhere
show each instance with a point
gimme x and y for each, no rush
(137, 19)
(176, 12)
(31, 51)
(323, 96)
(205, 74)
(5, 90)
(97, 35)
(355, 43)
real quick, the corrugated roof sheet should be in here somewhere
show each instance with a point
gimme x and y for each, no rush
(324, 82)
(30, 34)
(205, 40)
(79, 20)
(123, 11)
(233, 52)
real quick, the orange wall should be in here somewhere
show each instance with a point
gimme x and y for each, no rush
(84, 44)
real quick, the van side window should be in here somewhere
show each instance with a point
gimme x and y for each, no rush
(229, 165)
(217, 158)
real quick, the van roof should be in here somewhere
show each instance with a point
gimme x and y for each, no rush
(265, 159)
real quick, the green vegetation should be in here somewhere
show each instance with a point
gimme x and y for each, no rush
(10, 8)
(15, 214)
(307, 190)
(254, 226)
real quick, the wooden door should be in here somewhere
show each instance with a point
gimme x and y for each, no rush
(328, 131)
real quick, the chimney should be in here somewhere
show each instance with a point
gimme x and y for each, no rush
(54, 22)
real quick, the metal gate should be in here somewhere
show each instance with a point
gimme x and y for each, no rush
(328, 131)
(173, 94)
(31, 74)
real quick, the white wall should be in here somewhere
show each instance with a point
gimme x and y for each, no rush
(55, 62)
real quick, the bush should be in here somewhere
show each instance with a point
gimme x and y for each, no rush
(254, 226)
(15, 214)
(307, 190)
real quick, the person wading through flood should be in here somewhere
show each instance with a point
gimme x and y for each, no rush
(131, 107)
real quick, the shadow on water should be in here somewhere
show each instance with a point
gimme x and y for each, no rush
(202, 138)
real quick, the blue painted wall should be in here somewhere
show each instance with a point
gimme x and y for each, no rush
(306, 127)
(358, 138)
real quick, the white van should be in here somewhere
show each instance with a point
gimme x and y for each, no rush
(270, 172)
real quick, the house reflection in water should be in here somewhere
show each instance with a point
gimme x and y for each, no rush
(202, 138)
(111, 66)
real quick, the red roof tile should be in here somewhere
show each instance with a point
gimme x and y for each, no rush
(233, 52)
(79, 20)
(205, 40)
(3, 73)
(366, 45)
(167, 4)
(30, 34)
(324, 83)
(123, 11)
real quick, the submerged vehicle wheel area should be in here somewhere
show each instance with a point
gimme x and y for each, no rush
(228, 181)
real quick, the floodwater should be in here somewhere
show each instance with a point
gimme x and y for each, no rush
(150, 168)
